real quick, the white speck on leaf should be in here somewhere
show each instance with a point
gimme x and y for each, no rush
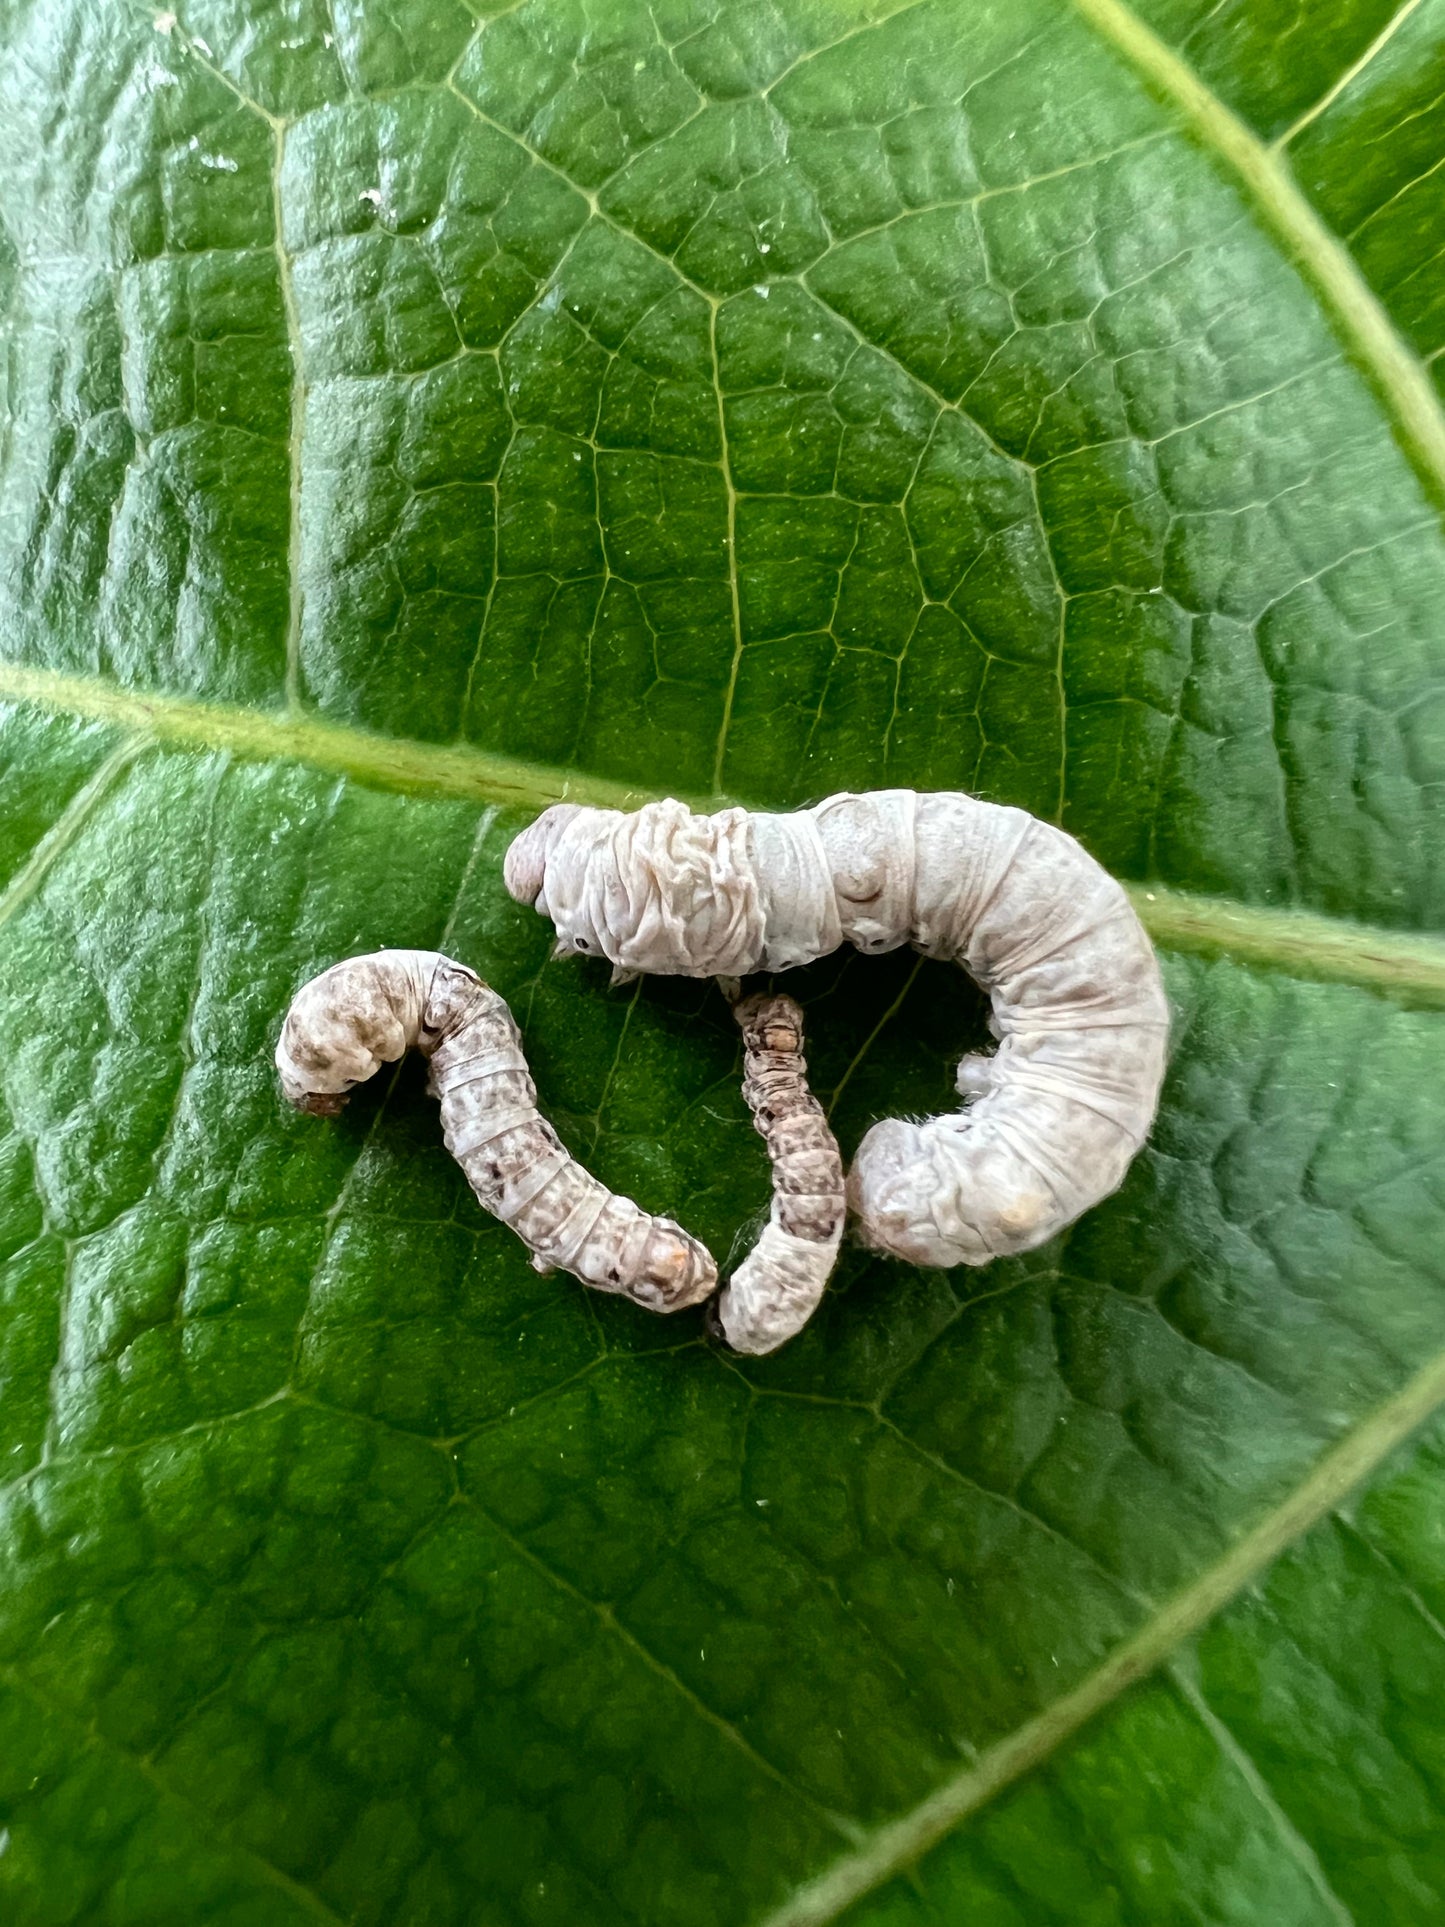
(371, 195)
(164, 22)
(203, 47)
(219, 163)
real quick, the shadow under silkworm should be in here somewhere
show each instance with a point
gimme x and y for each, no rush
(884, 1034)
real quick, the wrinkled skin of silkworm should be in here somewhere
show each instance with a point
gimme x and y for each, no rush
(1052, 1118)
(369, 1011)
(775, 1291)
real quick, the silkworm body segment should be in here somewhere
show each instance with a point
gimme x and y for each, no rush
(1052, 1118)
(776, 1289)
(344, 1024)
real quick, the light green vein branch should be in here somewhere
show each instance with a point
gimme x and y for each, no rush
(64, 830)
(872, 1038)
(1294, 1843)
(896, 1847)
(1400, 964)
(1395, 374)
(1351, 74)
(725, 462)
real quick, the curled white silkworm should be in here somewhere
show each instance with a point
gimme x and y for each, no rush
(369, 1011)
(775, 1291)
(1052, 1118)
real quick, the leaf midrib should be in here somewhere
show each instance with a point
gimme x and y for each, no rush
(1403, 965)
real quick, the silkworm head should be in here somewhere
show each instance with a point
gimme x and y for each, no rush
(339, 1028)
(937, 1193)
(891, 1189)
(524, 868)
(320, 1103)
(770, 1023)
(712, 1323)
(676, 1270)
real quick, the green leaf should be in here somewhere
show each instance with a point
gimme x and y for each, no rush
(415, 413)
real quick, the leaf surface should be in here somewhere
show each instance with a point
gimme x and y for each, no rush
(412, 417)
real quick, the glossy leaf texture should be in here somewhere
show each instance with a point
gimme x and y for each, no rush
(415, 413)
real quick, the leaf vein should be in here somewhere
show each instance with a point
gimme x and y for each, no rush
(1406, 965)
(1294, 1842)
(899, 1845)
(837, 1823)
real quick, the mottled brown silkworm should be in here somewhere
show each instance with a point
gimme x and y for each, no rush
(775, 1291)
(368, 1011)
(1051, 1119)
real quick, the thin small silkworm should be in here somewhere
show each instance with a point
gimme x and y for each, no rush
(775, 1291)
(1051, 1119)
(369, 1011)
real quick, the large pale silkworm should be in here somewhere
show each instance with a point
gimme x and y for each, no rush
(368, 1011)
(775, 1291)
(1052, 1118)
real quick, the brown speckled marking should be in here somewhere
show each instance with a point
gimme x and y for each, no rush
(807, 1165)
(367, 1011)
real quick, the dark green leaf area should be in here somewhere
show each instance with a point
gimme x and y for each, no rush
(1349, 1626)
(391, 1581)
(1289, 1769)
(1261, 59)
(1153, 1817)
(744, 401)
